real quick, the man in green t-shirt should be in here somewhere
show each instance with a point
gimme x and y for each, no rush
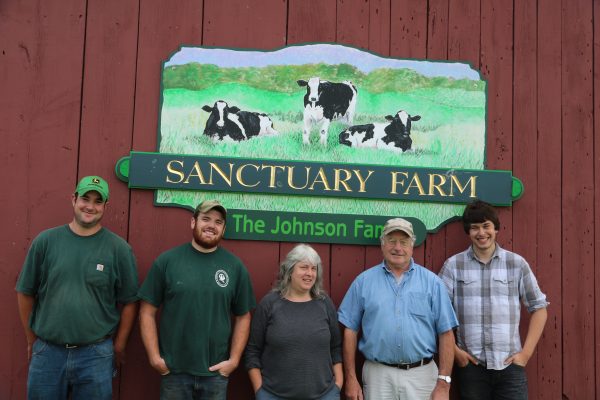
(68, 292)
(199, 286)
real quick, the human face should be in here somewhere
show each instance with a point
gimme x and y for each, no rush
(397, 248)
(303, 277)
(207, 230)
(483, 236)
(88, 209)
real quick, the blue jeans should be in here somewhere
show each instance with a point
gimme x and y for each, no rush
(478, 383)
(332, 394)
(188, 387)
(86, 372)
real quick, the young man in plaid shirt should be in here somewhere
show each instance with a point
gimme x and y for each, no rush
(487, 286)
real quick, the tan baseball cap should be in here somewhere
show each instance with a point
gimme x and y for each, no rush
(398, 224)
(208, 205)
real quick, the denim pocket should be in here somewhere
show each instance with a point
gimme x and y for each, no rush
(39, 346)
(104, 348)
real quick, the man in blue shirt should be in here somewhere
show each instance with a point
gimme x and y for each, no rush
(401, 309)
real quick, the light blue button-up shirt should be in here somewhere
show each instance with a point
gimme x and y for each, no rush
(400, 322)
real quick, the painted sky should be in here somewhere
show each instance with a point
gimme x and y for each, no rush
(317, 53)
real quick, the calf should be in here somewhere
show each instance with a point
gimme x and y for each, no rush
(230, 123)
(392, 135)
(326, 101)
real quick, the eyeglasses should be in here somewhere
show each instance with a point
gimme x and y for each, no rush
(402, 242)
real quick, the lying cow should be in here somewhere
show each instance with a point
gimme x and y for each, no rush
(230, 123)
(326, 101)
(392, 135)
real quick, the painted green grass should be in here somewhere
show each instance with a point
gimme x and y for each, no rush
(450, 134)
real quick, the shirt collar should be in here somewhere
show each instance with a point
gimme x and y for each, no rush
(498, 252)
(411, 267)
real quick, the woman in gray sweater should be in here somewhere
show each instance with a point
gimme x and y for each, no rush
(294, 350)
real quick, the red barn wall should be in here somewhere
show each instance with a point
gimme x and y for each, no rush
(80, 84)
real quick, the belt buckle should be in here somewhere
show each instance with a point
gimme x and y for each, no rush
(415, 364)
(70, 346)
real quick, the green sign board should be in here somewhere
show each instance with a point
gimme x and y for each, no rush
(214, 174)
(320, 142)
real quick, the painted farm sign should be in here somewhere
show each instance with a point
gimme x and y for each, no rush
(320, 142)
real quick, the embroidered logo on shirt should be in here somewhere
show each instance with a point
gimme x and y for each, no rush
(221, 278)
(99, 267)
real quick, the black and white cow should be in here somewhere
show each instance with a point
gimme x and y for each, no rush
(326, 101)
(232, 124)
(392, 135)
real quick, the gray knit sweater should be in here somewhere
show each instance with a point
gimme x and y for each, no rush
(295, 345)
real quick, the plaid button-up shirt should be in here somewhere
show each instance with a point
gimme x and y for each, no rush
(487, 300)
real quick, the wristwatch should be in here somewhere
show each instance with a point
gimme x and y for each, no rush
(445, 378)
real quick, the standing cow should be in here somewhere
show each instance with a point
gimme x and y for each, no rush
(326, 101)
(392, 135)
(230, 123)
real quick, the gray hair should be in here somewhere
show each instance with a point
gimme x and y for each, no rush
(383, 237)
(301, 252)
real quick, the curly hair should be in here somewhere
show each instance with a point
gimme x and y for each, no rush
(299, 253)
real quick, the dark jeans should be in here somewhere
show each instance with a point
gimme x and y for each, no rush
(190, 387)
(478, 383)
(85, 371)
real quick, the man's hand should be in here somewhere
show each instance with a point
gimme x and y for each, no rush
(462, 358)
(441, 391)
(352, 390)
(160, 365)
(26, 303)
(521, 359)
(30, 341)
(119, 350)
(225, 368)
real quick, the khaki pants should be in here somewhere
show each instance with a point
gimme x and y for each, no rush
(381, 382)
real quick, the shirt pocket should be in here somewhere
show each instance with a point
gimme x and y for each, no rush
(466, 287)
(502, 284)
(418, 304)
(98, 274)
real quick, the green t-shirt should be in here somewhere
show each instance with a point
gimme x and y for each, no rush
(77, 282)
(199, 292)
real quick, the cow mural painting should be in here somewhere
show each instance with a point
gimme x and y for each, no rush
(394, 135)
(231, 123)
(255, 141)
(326, 101)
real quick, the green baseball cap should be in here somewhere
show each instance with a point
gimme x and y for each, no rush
(95, 183)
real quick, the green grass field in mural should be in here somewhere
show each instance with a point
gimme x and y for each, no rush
(446, 136)
(449, 135)
(449, 97)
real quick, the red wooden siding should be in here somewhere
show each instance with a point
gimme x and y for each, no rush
(80, 84)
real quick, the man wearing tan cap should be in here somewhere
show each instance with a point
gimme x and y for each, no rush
(72, 281)
(402, 309)
(200, 286)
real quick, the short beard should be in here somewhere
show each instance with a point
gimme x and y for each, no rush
(205, 244)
